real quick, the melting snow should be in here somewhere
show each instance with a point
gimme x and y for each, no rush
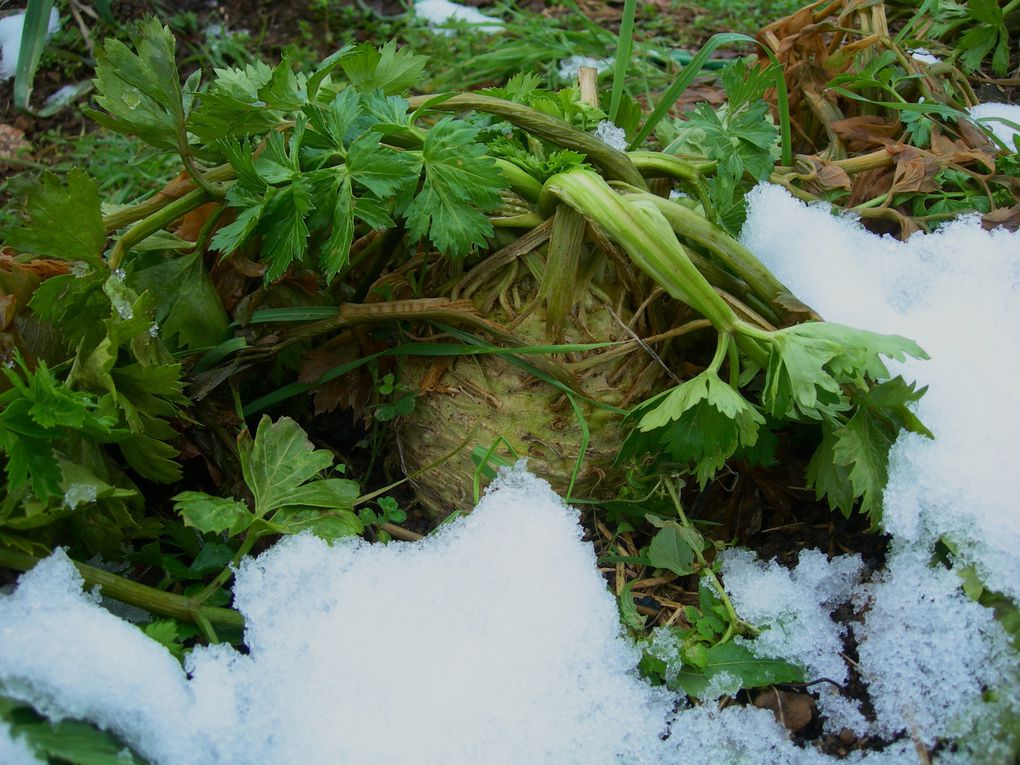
(10, 40)
(436, 13)
(569, 67)
(14, 750)
(612, 135)
(999, 112)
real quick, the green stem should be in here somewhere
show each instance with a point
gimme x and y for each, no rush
(131, 213)
(224, 576)
(614, 163)
(161, 218)
(135, 594)
(734, 256)
(735, 622)
(653, 248)
(688, 173)
(519, 180)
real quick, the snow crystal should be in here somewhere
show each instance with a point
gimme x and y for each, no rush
(924, 56)
(14, 750)
(569, 67)
(79, 494)
(794, 607)
(927, 652)
(610, 134)
(10, 40)
(995, 112)
(439, 12)
(955, 293)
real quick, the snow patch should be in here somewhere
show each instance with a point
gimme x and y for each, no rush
(612, 135)
(14, 750)
(436, 13)
(994, 112)
(10, 40)
(569, 67)
(954, 292)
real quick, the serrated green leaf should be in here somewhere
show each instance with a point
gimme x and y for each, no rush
(211, 514)
(64, 220)
(702, 421)
(460, 184)
(140, 90)
(828, 478)
(380, 170)
(338, 122)
(862, 447)
(387, 69)
(232, 107)
(797, 382)
(281, 465)
(285, 91)
(329, 526)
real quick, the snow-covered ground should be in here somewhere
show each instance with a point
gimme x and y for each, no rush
(495, 640)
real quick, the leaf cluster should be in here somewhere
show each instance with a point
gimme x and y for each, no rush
(703, 654)
(282, 470)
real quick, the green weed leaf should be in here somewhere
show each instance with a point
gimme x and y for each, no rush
(187, 305)
(281, 467)
(64, 220)
(213, 515)
(673, 548)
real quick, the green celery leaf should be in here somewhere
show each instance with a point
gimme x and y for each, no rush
(211, 514)
(336, 253)
(29, 449)
(151, 457)
(862, 447)
(828, 478)
(281, 468)
(230, 237)
(285, 91)
(64, 220)
(387, 69)
(461, 183)
(141, 91)
(232, 107)
(797, 381)
(187, 304)
(339, 121)
(389, 112)
(381, 170)
(702, 421)
(76, 743)
(285, 233)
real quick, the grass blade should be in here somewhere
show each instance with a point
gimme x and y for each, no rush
(698, 62)
(33, 40)
(623, 53)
